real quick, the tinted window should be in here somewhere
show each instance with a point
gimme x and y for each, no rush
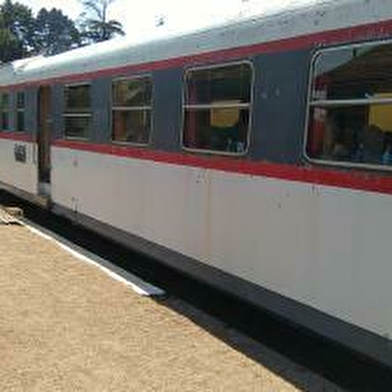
(20, 112)
(216, 110)
(77, 116)
(5, 107)
(350, 117)
(131, 110)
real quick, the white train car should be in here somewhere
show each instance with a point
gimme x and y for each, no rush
(255, 155)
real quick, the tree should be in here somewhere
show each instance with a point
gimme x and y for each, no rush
(17, 25)
(95, 24)
(10, 47)
(23, 35)
(54, 32)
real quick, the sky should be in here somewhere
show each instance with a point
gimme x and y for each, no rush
(142, 15)
(139, 17)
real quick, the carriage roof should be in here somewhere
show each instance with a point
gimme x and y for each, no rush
(311, 17)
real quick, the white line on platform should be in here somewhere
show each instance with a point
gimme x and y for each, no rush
(138, 285)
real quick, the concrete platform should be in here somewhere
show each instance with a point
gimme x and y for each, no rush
(68, 325)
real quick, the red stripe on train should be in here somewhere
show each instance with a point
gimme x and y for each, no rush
(374, 182)
(364, 32)
(23, 137)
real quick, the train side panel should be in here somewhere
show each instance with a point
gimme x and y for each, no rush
(312, 243)
(18, 167)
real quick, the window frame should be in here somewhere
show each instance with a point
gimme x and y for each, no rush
(8, 111)
(131, 109)
(340, 103)
(249, 106)
(78, 114)
(19, 110)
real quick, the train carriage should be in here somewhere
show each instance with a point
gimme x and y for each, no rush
(255, 155)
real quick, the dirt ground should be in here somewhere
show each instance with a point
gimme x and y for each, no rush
(67, 326)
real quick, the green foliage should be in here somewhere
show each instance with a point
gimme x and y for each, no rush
(95, 25)
(23, 35)
(10, 47)
(17, 26)
(51, 32)
(54, 32)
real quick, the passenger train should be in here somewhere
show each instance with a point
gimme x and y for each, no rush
(255, 155)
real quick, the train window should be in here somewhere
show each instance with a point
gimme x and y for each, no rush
(20, 111)
(131, 110)
(350, 113)
(77, 116)
(216, 108)
(5, 112)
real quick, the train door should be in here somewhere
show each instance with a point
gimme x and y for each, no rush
(43, 139)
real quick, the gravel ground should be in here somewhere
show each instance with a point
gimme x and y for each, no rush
(67, 326)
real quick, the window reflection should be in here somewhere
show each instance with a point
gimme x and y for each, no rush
(131, 111)
(5, 107)
(77, 116)
(20, 111)
(351, 105)
(217, 103)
